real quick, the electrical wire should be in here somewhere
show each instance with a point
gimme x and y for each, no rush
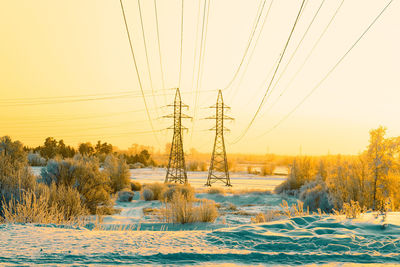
(181, 47)
(159, 49)
(196, 42)
(137, 72)
(200, 61)
(308, 56)
(252, 52)
(147, 56)
(272, 79)
(35, 121)
(255, 25)
(329, 72)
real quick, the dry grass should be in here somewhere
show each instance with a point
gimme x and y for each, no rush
(352, 210)
(33, 209)
(216, 190)
(269, 216)
(181, 210)
(206, 211)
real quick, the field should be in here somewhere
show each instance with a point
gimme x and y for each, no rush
(132, 237)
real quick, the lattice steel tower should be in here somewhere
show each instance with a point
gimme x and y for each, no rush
(219, 165)
(176, 171)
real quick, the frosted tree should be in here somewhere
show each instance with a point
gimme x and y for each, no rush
(381, 160)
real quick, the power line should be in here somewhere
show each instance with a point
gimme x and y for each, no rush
(34, 102)
(202, 41)
(159, 48)
(329, 72)
(137, 72)
(255, 25)
(196, 41)
(60, 119)
(147, 56)
(97, 135)
(272, 79)
(308, 55)
(294, 52)
(181, 48)
(252, 52)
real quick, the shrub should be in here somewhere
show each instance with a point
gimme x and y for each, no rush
(269, 216)
(259, 218)
(193, 166)
(180, 210)
(59, 172)
(315, 195)
(352, 210)
(48, 205)
(83, 174)
(157, 190)
(34, 159)
(294, 210)
(125, 195)
(186, 190)
(302, 171)
(68, 201)
(147, 194)
(206, 211)
(268, 169)
(15, 173)
(136, 186)
(31, 209)
(118, 172)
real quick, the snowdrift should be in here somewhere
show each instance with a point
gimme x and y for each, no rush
(301, 240)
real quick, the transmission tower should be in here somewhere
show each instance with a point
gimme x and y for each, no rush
(219, 165)
(176, 171)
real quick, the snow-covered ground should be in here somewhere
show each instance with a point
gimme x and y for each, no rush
(134, 238)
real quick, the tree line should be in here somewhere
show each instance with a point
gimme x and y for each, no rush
(52, 148)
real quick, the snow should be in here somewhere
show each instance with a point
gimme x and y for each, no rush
(131, 238)
(302, 240)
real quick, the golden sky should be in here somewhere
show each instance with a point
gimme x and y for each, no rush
(53, 53)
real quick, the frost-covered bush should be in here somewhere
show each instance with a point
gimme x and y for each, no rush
(147, 194)
(125, 195)
(34, 159)
(186, 190)
(157, 190)
(15, 173)
(68, 201)
(30, 209)
(60, 172)
(315, 195)
(118, 172)
(60, 205)
(83, 174)
(302, 170)
(136, 186)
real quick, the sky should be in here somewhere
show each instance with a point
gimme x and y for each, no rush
(66, 71)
